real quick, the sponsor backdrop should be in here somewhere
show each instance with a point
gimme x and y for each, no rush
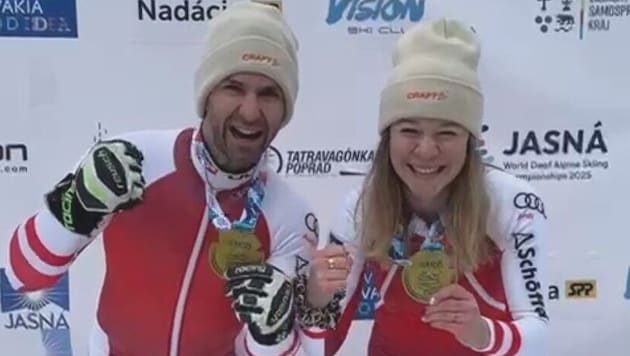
(556, 81)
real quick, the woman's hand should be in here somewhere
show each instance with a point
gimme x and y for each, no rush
(329, 271)
(455, 310)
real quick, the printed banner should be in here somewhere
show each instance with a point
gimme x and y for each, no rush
(557, 115)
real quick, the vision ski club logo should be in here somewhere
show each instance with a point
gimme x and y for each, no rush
(45, 312)
(374, 17)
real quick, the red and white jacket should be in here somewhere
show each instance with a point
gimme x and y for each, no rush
(160, 296)
(509, 290)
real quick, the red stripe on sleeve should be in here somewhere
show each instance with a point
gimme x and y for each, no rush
(42, 251)
(24, 271)
(516, 340)
(498, 338)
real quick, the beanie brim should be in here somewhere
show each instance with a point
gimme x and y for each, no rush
(432, 97)
(247, 55)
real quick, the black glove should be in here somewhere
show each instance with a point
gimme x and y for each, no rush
(263, 298)
(108, 180)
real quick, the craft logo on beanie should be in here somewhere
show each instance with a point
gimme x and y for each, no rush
(427, 95)
(435, 75)
(259, 58)
(249, 37)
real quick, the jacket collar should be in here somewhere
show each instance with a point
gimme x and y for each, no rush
(211, 173)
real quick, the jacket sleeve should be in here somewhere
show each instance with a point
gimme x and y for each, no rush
(294, 238)
(521, 235)
(343, 231)
(41, 250)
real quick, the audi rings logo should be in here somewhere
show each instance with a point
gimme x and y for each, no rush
(274, 159)
(310, 220)
(530, 201)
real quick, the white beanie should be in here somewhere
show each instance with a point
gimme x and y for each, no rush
(250, 36)
(435, 76)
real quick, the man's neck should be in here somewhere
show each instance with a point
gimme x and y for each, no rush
(216, 172)
(223, 162)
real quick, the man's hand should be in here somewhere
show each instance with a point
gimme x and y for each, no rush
(329, 271)
(108, 180)
(455, 310)
(263, 298)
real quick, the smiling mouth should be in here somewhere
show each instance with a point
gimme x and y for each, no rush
(426, 171)
(245, 134)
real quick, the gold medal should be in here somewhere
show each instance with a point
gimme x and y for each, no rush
(234, 247)
(429, 271)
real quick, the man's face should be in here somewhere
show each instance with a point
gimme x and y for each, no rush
(243, 115)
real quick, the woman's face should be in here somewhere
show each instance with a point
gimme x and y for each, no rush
(427, 154)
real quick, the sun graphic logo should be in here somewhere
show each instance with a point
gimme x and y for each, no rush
(45, 312)
(13, 300)
(486, 157)
(274, 159)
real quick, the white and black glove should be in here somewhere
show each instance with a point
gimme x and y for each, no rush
(263, 298)
(108, 180)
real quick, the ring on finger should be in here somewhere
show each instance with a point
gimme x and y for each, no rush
(331, 263)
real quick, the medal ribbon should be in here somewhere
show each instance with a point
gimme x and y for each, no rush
(433, 241)
(435, 234)
(253, 207)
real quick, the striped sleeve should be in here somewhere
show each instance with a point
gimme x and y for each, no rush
(40, 251)
(521, 233)
(507, 337)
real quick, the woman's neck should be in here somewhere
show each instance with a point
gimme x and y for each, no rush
(428, 209)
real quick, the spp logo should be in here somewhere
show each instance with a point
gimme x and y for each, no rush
(38, 18)
(581, 289)
(42, 311)
(374, 17)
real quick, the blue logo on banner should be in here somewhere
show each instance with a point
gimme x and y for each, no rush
(44, 311)
(57, 342)
(370, 10)
(38, 18)
(369, 297)
(12, 300)
(627, 293)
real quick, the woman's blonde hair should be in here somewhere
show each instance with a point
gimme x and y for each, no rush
(382, 209)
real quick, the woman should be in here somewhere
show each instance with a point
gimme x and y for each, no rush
(446, 250)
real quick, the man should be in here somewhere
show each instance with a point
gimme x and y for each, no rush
(200, 238)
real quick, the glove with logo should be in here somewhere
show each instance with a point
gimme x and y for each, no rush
(108, 180)
(263, 298)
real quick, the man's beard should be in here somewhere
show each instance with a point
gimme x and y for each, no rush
(223, 155)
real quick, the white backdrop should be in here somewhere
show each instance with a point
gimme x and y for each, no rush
(71, 74)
